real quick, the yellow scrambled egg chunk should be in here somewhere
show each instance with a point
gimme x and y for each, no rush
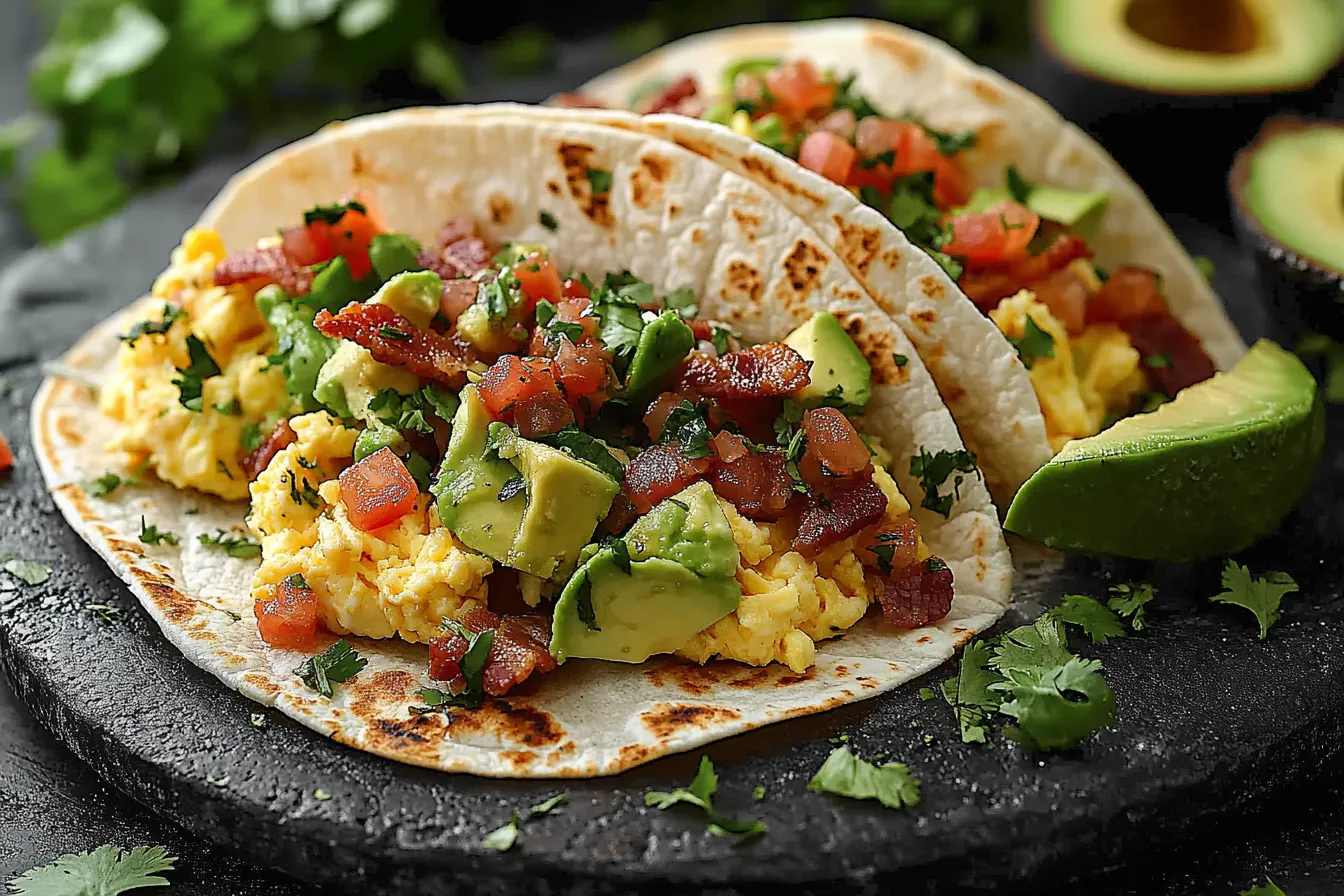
(195, 449)
(788, 601)
(1084, 380)
(398, 581)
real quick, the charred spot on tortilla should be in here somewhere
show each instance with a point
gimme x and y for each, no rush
(747, 223)
(986, 92)
(741, 279)
(899, 48)
(858, 244)
(673, 210)
(501, 208)
(925, 320)
(668, 719)
(697, 235)
(553, 187)
(932, 289)
(646, 181)
(767, 172)
(589, 183)
(802, 272)
(357, 166)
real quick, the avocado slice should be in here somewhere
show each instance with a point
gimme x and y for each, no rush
(1203, 475)
(663, 343)
(670, 578)
(840, 374)
(1287, 191)
(519, 502)
(1196, 46)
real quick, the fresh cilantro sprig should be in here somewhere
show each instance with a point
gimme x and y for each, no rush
(190, 380)
(106, 871)
(503, 838)
(1034, 343)
(1098, 621)
(30, 572)
(1261, 594)
(845, 774)
(701, 795)
(338, 663)
(235, 546)
(1268, 889)
(152, 534)
(472, 668)
(933, 470)
(687, 424)
(1128, 599)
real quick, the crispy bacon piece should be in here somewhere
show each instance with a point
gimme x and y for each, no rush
(392, 339)
(259, 458)
(455, 229)
(986, 285)
(660, 472)
(668, 98)
(261, 267)
(521, 647)
(833, 516)
(892, 548)
(1132, 299)
(661, 407)
(467, 256)
(729, 446)
(767, 370)
(459, 252)
(754, 418)
(834, 450)
(758, 485)
(917, 595)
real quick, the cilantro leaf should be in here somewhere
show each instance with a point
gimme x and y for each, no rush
(719, 336)
(503, 838)
(847, 98)
(190, 380)
(1018, 186)
(30, 572)
(1033, 344)
(1128, 600)
(948, 143)
(1096, 620)
(899, 359)
(547, 220)
(1260, 595)
(108, 483)
(687, 425)
(701, 795)
(339, 662)
(971, 693)
(171, 315)
(933, 470)
(683, 301)
(554, 328)
(1269, 889)
(845, 774)
(332, 214)
(236, 546)
(106, 871)
(621, 324)
(578, 444)
(599, 180)
(471, 666)
(153, 535)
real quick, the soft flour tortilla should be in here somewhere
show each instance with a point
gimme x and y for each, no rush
(901, 71)
(674, 219)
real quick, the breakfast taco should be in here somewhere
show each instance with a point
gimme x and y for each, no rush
(522, 448)
(1035, 223)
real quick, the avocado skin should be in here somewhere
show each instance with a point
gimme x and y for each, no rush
(1302, 294)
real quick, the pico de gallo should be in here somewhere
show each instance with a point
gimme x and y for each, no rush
(520, 383)
(1128, 351)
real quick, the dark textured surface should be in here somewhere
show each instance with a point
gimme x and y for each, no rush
(1210, 720)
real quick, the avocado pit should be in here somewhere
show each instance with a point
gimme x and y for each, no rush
(1222, 27)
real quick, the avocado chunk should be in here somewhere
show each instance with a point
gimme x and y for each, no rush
(376, 438)
(1078, 210)
(301, 349)
(519, 502)
(393, 253)
(1202, 476)
(840, 373)
(669, 579)
(663, 343)
(1200, 47)
(350, 378)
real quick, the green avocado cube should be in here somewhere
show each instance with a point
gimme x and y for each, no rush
(840, 374)
(663, 343)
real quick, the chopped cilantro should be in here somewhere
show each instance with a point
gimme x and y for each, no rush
(554, 328)
(1128, 600)
(970, 694)
(108, 483)
(846, 97)
(899, 359)
(621, 323)
(106, 612)
(577, 443)
(223, 467)
(296, 580)
(30, 572)
(926, 694)
(233, 408)
(1018, 186)
(844, 774)
(1097, 621)
(502, 838)
(583, 602)
(339, 662)
(933, 470)
(171, 315)
(884, 548)
(332, 214)
(1033, 344)
(106, 871)
(683, 301)
(258, 721)
(237, 546)
(949, 144)
(394, 334)
(1269, 889)
(548, 221)
(191, 379)
(599, 180)
(912, 209)
(791, 414)
(321, 795)
(500, 295)
(512, 488)
(620, 554)
(719, 336)
(701, 795)
(1205, 266)
(153, 535)
(686, 424)
(1260, 595)
(758, 792)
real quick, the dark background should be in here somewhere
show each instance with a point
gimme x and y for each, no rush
(51, 804)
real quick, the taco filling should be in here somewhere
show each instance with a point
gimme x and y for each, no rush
(464, 445)
(1098, 345)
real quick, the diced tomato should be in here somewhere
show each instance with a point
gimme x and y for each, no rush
(541, 415)
(913, 150)
(308, 244)
(579, 310)
(574, 289)
(538, 277)
(919, 595)
(834, 449)
(6, 456)
(288, 620)
(987, 285)
(758, 485)
(377, 491)
(582, 369)
(1000, 233)
(660, 472)
(828, 155)
(728, 446)
(891, 549)
(512, 379)
(350, 238)
(1066, 295)
(1131, 292)
(841, 122)
(951, 186)
(668, 98)
(798, 88)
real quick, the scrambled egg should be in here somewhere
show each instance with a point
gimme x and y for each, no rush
(789, 602)
(401, 580)
(1095, 374)
(196, 449)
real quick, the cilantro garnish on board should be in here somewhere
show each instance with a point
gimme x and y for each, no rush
(30, 572)
(933, 471)
(1034, 343)
(701, 795)
(502, 838)
(1098, 621)
(844, 774)
(190, 381)
(1269, 888)
(1261, 594)
(339, 662)
(1128, 599)
(106, 871)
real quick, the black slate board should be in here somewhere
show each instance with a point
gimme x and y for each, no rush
(1210, 720)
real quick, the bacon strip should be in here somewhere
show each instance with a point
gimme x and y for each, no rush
(758, 485)
(917, 595)
(461, 252)
(425, 353)
(260, 457)
(669, 98)
(260, 267)
(521, 647)
(986, 286)
(767, 370)
(660, 472)
(838, 514)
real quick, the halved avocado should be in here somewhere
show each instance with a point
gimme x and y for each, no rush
(1287, 191)
(1196, 46)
